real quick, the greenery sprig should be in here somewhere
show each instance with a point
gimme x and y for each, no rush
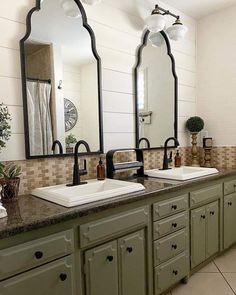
(70, 139)
(9, 171)
(5, 128)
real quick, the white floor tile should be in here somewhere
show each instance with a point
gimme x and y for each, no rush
(210, 268)
(227, 261)
(204, 284)
(231, 279)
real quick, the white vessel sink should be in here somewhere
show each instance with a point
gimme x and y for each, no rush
(182, 173)
(94, 190)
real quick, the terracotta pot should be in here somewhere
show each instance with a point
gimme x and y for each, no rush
(10, 189)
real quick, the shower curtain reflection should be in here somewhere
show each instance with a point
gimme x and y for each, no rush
(39, 117)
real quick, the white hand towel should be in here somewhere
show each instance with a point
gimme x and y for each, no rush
(3, 211)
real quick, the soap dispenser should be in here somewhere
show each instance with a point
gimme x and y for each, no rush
(177, 159)
(100, 170)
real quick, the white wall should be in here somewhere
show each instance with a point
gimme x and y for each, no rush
(216, 56)
(118, 35)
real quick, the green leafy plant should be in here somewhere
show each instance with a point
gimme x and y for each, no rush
(5, 128)
(10, 171)
(70, 139)
(195, 124)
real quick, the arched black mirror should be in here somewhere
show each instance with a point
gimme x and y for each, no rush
(61, 80)
(156, 92)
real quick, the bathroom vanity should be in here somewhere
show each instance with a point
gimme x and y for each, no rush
(140, 243)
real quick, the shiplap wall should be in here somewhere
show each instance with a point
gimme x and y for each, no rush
(118, 33)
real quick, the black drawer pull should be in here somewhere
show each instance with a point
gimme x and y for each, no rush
(175, 272)
(38, 254)
(203, 216)
(212, 212)
(174, 207)
(129, 249)
(235, 185)
(174, 246)
(110, 258)
(230, 203)
(63, 277)
(174, 224)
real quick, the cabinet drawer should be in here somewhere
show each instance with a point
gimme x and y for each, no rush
(169, 225)
(171, 206)
(230, 187)
(34, 253)
(205, 194)
(171, 272)
(105, 227)
(55, 278)
(170, 246)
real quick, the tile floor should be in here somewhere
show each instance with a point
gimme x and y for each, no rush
(217, 278)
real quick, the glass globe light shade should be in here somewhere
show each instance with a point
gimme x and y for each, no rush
(70, 8)
(156, 39)
(156, 22)
(177, 31)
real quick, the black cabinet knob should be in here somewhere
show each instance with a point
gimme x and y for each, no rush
(174, 207)
(174, 246)
(38, 254)
(129, 249)
(212, 212)
(175, 272)
(174, 224)
(230, 203)
(203, 216)
(63, 277)
(110, 258)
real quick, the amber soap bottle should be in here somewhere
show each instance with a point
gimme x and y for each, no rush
(101, 170)
(177, 159)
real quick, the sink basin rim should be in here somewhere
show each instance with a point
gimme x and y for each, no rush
(123, 187)
(173, 174)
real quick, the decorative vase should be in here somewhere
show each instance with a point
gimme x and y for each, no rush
(194, 150)
(10, 189)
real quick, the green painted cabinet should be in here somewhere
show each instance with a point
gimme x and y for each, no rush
(55, 278)
(101, 270)
(229, 220)
(204, 232)
(132, 262)
(118, 267)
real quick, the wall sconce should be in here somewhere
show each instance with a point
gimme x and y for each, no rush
(91, 2)
(157, 21)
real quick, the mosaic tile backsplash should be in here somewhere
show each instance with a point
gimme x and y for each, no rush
(53, 171)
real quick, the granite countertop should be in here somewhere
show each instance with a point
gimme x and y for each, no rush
(30, 212)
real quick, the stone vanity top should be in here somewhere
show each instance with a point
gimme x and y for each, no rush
(30, 212)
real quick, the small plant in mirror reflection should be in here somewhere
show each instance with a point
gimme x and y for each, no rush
(5, 128)
(10, 171)
(70, 139)
(195, 124)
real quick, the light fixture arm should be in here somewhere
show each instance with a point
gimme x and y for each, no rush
(166, 12)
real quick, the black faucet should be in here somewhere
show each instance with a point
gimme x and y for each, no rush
(77, 172)
(166, 161)
(57, 142)
(146, 140)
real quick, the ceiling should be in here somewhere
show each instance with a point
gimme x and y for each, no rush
(195, 8)
(200, 8)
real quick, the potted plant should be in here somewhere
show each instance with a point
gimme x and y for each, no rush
(70, 139)
(10, 182)
(195, 125)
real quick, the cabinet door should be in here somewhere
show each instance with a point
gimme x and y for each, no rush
(101, 270)
(55, 278)
(212, 229)
(198, 234)
(132, 262)
(229, 220)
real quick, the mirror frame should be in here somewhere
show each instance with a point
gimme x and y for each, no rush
(173, 68)
(24, 80)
